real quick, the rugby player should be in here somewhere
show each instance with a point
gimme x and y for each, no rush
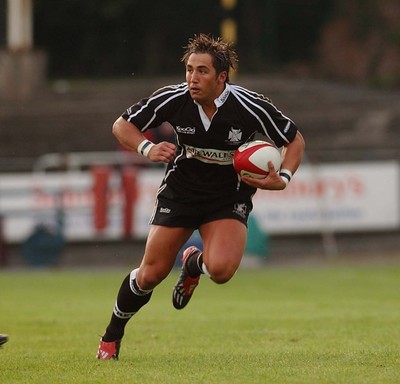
(211, 118)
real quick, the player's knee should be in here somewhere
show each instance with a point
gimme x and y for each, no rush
(150, 278)
(220, 279)
(221, 275)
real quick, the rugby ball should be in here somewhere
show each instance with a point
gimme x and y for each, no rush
(251, 159)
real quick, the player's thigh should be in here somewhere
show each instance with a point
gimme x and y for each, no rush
(224, 242)
(162, 246)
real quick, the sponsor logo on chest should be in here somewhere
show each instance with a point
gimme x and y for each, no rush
(210, 155)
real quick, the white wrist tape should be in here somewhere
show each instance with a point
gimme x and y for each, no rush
(144, 147)
(286, 175)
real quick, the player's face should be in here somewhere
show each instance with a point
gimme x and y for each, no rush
(205, 85)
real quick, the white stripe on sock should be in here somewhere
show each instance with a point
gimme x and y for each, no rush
(204, 268)
(140, 292)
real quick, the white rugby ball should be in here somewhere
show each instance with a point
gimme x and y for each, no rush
(251, 159)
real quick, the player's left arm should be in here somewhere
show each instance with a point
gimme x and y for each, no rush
(292, 154)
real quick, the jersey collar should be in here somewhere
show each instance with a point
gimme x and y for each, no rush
(223, 96)
(220, 100)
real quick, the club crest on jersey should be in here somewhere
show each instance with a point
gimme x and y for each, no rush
(235, 135)
(240, 209)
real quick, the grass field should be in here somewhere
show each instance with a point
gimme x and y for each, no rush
(281, 325)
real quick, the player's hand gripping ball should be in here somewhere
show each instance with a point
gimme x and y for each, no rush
(251, 159)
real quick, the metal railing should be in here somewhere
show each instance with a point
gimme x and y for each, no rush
(75, 161)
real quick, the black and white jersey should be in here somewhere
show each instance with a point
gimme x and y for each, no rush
(202, 168)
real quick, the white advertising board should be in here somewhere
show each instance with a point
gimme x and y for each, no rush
(338, 197)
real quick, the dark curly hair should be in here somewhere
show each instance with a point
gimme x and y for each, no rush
(224, 56)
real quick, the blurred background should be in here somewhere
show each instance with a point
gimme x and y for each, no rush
(70, 196)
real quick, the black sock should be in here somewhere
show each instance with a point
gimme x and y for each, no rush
(194, 265)
(129, 300)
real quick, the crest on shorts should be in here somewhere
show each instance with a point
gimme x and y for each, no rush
(240, 209)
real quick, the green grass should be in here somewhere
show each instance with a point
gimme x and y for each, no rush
(281, 325)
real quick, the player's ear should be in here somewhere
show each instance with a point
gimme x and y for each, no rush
(222, 76)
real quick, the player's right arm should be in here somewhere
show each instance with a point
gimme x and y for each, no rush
(132, 139)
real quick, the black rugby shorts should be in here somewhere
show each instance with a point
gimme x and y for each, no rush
(174, 214)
